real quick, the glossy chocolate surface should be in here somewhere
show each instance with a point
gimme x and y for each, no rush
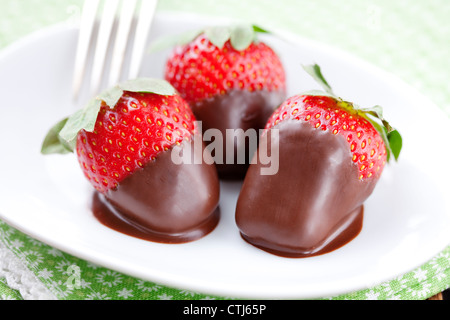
(164, 201)
(237, 109)
(313, 205)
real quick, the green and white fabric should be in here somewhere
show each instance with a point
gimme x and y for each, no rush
(408, 38)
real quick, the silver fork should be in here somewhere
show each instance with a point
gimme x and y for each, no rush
(115, 24)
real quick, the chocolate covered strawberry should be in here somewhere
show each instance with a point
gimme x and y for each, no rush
(232, 81)
(124, 140)
(331, 156)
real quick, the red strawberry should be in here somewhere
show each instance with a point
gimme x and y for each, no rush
(339, 118)
(123, 140)
(331, 155)
(231, 81)
(201, 69)
(134, 132)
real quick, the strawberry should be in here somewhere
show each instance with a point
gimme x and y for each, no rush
(121, 144)
(121, 137)
(372, 140)
(231, 81)
(133, 132)
(213, 64)
(331, 156)
(338, 117)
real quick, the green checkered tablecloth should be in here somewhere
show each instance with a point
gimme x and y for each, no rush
(409, 38)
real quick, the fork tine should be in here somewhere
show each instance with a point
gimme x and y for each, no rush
(145, 19)
(88, 17)
(120, 46)
(104, 37)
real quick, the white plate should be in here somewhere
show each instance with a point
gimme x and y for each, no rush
(407, 219)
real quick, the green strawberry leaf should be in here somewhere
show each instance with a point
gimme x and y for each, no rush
(392, 138)
(315, 72)
(242, 36)
(62, 137)
(258, 29)
(384, 135)
(52, 141)
(110, 97)
(395, 142)
(218, 35)
(148, 85)
(82, 119)
(318, 93)
(376, 111)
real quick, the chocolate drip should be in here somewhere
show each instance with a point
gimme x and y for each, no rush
(164, 202)
(313, 204)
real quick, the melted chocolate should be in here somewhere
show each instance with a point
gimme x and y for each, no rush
(313, 204)
(163, 202)
(237, 109)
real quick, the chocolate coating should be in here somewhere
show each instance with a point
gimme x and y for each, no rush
(237, 109)
(313, 204)
(164, 202)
